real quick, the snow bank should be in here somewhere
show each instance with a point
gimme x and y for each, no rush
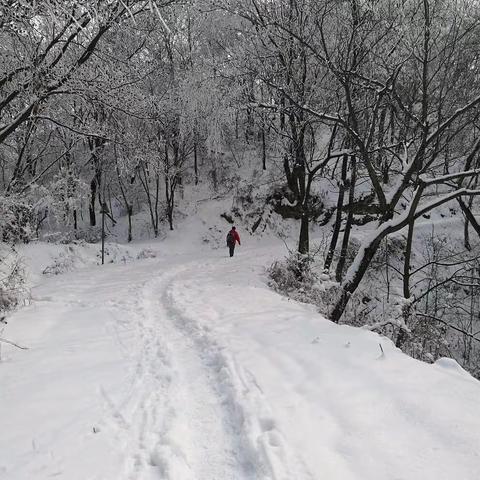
(345, 401)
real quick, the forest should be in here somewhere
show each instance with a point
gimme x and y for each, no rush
(354, 123)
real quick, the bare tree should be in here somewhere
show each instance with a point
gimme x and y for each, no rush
(384, 66)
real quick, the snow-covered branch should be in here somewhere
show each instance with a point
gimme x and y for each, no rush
(445, 178)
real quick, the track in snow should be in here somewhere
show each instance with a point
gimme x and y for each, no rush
(187, 410)
(269, 454)
(174, 422)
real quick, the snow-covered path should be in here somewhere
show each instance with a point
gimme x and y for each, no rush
(185, 429)
(118, 384)
(188, 368)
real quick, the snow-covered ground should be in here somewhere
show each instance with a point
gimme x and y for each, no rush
(188, 367)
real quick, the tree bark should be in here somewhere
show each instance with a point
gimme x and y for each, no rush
(91, 206)
(195, 160)
(304, 241)
(264, 149)
(338, 217)
(406, 260)
(348, 224)
(130, 213)
(363, 261)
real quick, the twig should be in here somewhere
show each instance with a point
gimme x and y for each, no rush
(4, 340)
(453, 327)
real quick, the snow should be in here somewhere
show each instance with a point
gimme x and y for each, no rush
(186, 366)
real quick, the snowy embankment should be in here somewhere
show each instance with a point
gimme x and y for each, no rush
(187, 367)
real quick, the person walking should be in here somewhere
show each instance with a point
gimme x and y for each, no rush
(232, 238)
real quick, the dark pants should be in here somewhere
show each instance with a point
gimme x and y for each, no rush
(232, 249)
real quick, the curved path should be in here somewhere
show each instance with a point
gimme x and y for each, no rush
(196, 415)
(146, 391)
(188, 367)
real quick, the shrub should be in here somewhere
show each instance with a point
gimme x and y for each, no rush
(12, 282)
(292, 274)
(17, 220)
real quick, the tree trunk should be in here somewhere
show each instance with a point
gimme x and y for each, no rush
(157, 195)
(264, 149)
(348, 224)
(469, 219)
(466, 235)
(304, 241)
(406, 260)
(91, 206)
(402, 333)
(195, 161)
(170, 219)
(130, 213)
(151, 205)
(169, 195)
(292, 185)
(406, 310)
(361, 263)
(170, 184)
(338, 217)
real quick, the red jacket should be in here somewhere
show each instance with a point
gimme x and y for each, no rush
(236, 236)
